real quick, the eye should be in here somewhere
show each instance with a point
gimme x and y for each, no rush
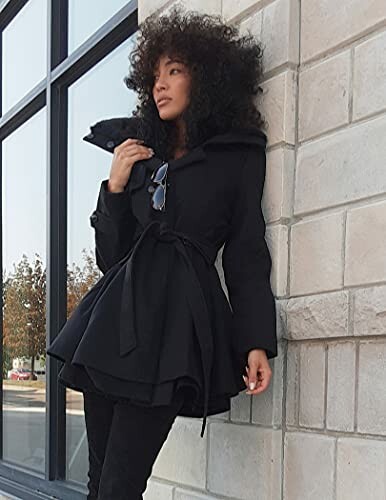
(172, 69)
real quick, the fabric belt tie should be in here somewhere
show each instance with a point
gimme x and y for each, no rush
(194, 293)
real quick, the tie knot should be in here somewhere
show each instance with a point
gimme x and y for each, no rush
(166, 232)
(164, 227)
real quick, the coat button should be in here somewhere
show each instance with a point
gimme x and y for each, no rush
(90, 135)
(110, 144)
(151, 189)
(94, 217)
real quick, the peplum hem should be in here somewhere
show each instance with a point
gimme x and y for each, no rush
(85, 379)
(82, 378)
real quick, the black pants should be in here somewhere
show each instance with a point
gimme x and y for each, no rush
(124, 440)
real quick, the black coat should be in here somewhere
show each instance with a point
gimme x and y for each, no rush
(158, 318)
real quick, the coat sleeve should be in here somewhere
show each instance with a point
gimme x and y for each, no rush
(247, 264)
(114, 225)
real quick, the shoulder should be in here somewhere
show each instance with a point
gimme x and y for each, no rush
(238, 154)
(238, 139)
(252, 170)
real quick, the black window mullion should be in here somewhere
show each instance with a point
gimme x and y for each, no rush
(56, 237)
(59, 29)
(9, 10)
(1, 257)
(56, 276)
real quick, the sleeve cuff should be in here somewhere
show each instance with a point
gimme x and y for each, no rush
(114, 204)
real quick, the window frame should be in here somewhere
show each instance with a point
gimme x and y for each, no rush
(52, 92)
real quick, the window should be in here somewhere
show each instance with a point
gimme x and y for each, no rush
(87, 16)
(24, 292)
(49, 186)
(24, 61)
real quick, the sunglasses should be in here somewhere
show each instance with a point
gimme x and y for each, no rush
(159, 176)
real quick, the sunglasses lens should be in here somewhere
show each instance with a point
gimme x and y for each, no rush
(159, 175)
(158, 198)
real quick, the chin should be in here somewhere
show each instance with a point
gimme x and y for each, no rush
(167, 114)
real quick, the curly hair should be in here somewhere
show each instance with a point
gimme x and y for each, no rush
(225, 70)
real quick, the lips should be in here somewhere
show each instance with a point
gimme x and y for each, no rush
(163, 101)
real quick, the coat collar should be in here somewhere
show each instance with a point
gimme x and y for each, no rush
(110, 132)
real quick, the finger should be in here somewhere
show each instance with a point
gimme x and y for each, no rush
(127, 142)
(258, 389)
(252, 377)
(134, 155)
(261, 388)
(263, 383)
(133, 148)
(138, 156)
(131, 140)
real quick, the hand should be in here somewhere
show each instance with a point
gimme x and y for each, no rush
(258, 370)
(125, 155)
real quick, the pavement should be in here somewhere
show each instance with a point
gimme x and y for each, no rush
(24, 414)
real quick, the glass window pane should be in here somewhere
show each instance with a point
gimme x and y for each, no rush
(24, 293)
(99, 94)
(24, 52)
(87, 16)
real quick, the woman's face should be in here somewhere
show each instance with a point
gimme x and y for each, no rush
(172, 81)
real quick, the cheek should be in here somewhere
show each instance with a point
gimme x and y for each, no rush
(187, 91)
(187, 82)
(183, 88)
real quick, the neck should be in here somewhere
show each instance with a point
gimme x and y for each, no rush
(181, 133)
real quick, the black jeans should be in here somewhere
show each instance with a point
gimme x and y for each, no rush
(124, 440)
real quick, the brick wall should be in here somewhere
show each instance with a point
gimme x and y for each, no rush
(319, 431)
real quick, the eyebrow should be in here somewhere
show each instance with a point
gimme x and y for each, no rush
(171, 61)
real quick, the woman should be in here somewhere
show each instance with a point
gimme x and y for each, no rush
(156, 336)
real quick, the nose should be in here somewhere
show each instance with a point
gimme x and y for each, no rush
(159, 85)
(161, 81)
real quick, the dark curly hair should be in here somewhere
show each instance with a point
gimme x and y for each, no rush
(225, 70)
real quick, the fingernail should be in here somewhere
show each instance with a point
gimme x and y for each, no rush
(252, 385)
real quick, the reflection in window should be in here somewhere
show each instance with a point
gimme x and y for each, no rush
(86, 16)
(24, 293)
(99, 94)
(24, 52)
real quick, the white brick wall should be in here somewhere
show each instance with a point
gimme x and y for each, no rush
(309, 466)
(340, 386)
(325, 81)
(319, 431)
(360, 469)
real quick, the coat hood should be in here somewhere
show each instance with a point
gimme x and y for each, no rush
(109, 133)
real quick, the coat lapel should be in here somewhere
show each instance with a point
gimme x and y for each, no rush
(109, 133)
